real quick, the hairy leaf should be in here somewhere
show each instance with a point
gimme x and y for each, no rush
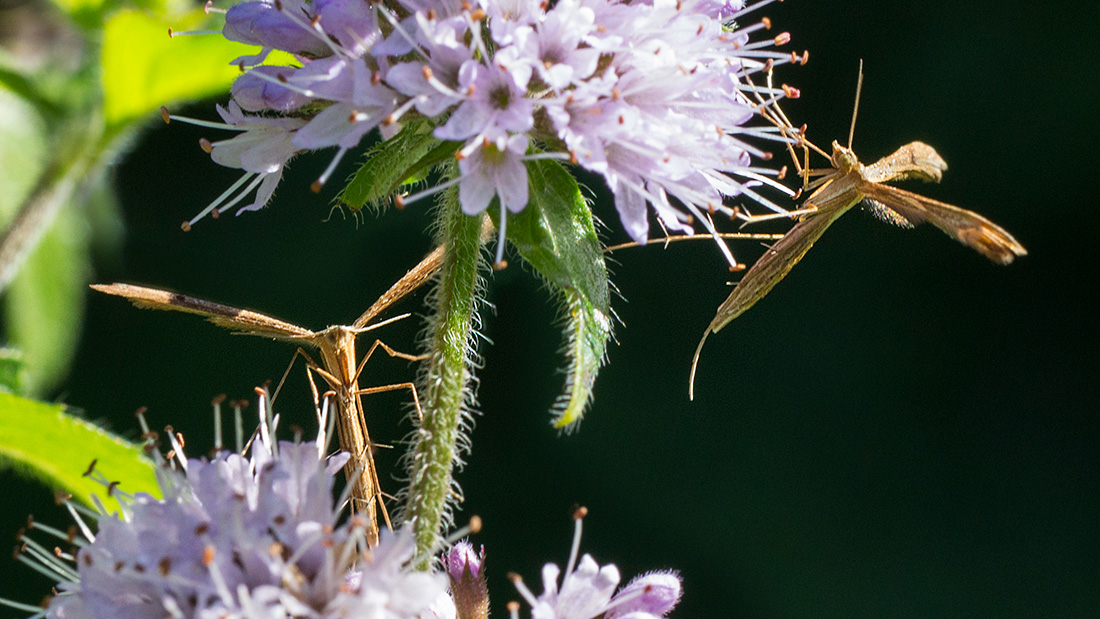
(48, 443)
(401, 160)
(556, 235)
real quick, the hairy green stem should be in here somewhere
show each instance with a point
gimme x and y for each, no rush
(445, 393)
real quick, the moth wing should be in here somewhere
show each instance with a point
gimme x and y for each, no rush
(885, 213)
(915, 160)
(765, 273)
(416, 277)
(967, 227)
(247, 321)
(772, 267)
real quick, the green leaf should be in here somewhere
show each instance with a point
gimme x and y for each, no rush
(144, 68)
(555, 234)
(79, 6)
(404, 159)
(84, 12)
(44, 306)
(12, 374)
(23, 152)
(56, 447)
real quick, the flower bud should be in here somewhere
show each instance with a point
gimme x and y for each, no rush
(468, 588)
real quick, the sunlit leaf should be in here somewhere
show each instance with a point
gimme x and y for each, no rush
(144, 68)
(46, 442)
(90, 13)
(556, 235)
(79, 7)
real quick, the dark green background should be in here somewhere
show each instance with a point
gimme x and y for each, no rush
(901, 429)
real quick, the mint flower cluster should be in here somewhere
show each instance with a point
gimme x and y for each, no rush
(254, 536)
(651, 95)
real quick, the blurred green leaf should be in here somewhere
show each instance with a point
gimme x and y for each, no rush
(401, 160)
(44, 306)
(81, 9)
(56, 447)
(556, 235)
(22, 152)
(17, 83)
(144, 68)
(12, 374)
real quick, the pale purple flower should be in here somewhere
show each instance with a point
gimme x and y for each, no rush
(653, 95)
(262, 149)
(494, 101)
(359, 105)
(588, 590)
(263, 146)
(494, 168)
(719, 9)
(654, 593)
(259, 89)
(442, 8)
(351, 23)
(433, 83)
(244, 536)
(554, 48)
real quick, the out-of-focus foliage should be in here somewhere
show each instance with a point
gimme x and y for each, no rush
(71, 98)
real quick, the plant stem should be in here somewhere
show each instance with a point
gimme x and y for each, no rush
(444, 386)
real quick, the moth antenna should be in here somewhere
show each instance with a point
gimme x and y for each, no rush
(855, 109)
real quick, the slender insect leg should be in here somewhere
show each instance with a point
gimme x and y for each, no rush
(748, 219)
(354, 439)
(300, 352)
(390, 351)
(394, 387)
(420, 416)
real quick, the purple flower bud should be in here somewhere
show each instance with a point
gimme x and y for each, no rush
(460, 558)
(468, 587)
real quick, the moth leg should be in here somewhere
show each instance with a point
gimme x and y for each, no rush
(300, 352)
(749, 219)
(378, 494)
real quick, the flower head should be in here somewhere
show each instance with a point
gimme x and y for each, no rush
(654, 95)
(247, 536)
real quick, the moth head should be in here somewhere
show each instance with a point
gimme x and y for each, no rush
(338, 336)
(843, 158)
